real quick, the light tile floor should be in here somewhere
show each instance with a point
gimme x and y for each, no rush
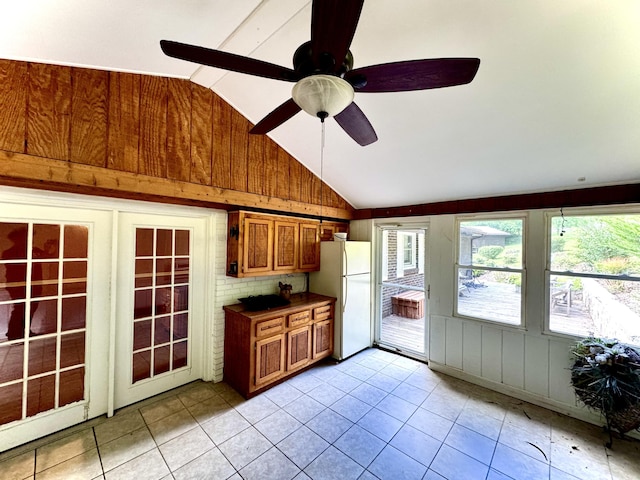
(376, 415)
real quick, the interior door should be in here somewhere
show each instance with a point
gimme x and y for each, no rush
(402, 294)
(54, 318)
(161, 304)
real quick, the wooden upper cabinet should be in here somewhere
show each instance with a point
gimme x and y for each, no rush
(258, 245)
(262, 244)
(309, 247)
(285, 245)
(327, 229)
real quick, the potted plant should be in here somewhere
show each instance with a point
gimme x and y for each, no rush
(606, 378)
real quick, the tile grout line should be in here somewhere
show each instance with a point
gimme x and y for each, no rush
(95, 439)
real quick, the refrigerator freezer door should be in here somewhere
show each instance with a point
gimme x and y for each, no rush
(357, 257)
(356, 316)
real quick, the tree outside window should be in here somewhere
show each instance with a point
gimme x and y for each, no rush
(594, 276)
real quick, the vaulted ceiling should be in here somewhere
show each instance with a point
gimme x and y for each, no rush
(555, 103)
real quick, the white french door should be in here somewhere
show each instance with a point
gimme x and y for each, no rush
(54, 264)
(160, 304)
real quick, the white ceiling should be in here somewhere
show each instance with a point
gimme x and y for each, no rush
(555, 103)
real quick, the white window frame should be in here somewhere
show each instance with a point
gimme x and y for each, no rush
(412, 250)
(576, 212)
(522, 270)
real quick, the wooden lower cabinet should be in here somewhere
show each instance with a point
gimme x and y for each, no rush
(263, 348)
(322, 339)
(298, 347)
(269, 359)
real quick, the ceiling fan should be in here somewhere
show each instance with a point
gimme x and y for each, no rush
(324, 74)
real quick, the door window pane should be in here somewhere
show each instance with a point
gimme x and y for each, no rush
(141, 365)
(72, 349)
(161, 360)
(42, 356)
(44, 279)
(44, 317)
(74, 313)
(12, 318)
(142, 334)
(144, 242)
(180, 355)
(46, 241)
(14, 244)
(11, 358)
(164, 243)
(13, 281)
(143, 303)
(76, 241)
(74, 278)
(10, 403)
(41, 394)
(71, 386)
(182, 242)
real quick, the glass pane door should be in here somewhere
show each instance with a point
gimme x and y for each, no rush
(54, 317)
(161, 304)
(43, 298)
(402, 300)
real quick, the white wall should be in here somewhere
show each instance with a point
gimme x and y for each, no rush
(522, 362)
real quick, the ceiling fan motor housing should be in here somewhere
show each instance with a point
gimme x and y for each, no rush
(303, 62)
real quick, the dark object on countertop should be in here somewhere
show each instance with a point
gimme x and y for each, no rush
(256, 303)
(285, 290)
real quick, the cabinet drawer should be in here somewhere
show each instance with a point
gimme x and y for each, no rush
(270, 327)
(298, 319)
(322, 313)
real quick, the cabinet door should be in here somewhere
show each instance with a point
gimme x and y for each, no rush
(258, 245)
(299, 347)
(309, 247)
(285, 246)
(326, 231)
(269, 359)
(322, 339)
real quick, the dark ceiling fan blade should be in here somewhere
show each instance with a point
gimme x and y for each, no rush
(227, 61)
(356, 124)
(414, 75)
(276, 118)
(333, 24)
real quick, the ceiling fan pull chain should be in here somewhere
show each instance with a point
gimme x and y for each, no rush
(322, 138)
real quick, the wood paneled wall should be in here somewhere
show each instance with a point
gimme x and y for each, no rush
(137, 135)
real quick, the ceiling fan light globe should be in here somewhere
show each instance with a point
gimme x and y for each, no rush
(322, 93)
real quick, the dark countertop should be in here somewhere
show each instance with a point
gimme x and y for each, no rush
(299, 301)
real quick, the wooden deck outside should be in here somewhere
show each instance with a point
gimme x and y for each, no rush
(501, 300)
(405, 333)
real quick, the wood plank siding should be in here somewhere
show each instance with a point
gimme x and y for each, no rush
(142, 136)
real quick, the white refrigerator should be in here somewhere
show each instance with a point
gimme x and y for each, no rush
(345, 273)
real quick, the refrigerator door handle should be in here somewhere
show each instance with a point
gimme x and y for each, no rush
(345, 296)
(346, 261)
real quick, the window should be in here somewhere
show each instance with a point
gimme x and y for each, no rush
(409, 250)
(490, 269)
(593, 276)
(409, 257)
